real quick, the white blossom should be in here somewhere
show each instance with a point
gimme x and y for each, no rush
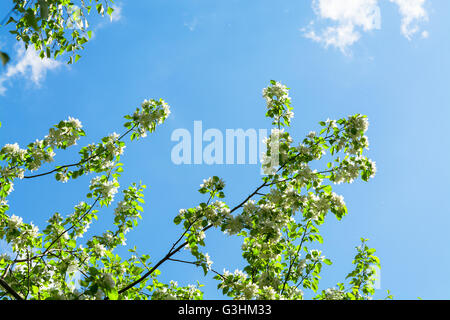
(15, 222)
(99, 249)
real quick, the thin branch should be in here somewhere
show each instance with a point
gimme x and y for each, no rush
(306, 275)
(184, 233)
(71, 227)
(10, 290)
(292, 262)
(59, 168)
(196, 264)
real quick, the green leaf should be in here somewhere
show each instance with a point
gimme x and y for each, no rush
(110, 11)
(43, 7)
(30, 19)
(112, 294)
(4, 57)
(93, 271)
(100, 9)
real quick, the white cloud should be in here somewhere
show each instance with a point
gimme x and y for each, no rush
(29, 65)
(412, 12)
(349, 18)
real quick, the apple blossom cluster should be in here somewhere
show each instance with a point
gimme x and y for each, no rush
(39, 154)
(352, 167)
(112, 148)
(107, 281)
(276, 93)
(362, 278)
(195, 220)
(126, 215)
(277, 152)
(278, 103)
(65, 134)
(334, 294)
(104, 188)
(17, 233)
(80, 220)
(101, 157)
(13, 151)
(241, 287)
(146, 118)
(174, 292)
(238, 285)
(213, 186)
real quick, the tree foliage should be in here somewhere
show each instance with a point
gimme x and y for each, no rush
(279, 222)
(54, 27)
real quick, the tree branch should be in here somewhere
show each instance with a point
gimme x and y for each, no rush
(57, 169)
(10, 290)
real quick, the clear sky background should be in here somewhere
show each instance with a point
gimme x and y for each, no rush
(210, 60)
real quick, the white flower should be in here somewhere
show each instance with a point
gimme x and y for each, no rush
(337, 200)
(99, 249)
(107, 281)
(107, 189)
(304, 150)
(234, 225)
(373, 168)
(208, 261)
(240, 274)
(75, 122)
(213, 183)
(275, 92)
(277, 96)
(311, 134)
(20, 173)
(123, 208)
(250, 207)
(72, 267)
(301, 265)
(11, 148)
(15, 222)
(250, 290)
(33, 231)
(39, 154)
(268, 293)
(151, 113)
(331, 123)
(334, 294)
(65, 134)
(62, 176)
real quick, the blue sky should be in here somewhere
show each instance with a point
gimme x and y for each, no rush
(210, 60)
